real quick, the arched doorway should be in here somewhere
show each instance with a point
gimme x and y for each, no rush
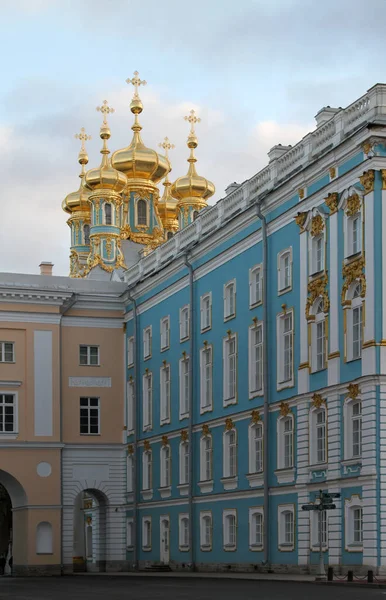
(89, 549)
(13, 521)
(5, 530)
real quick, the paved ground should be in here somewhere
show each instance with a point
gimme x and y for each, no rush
(153, 588)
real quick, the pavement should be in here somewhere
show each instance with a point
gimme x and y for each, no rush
(196, 586)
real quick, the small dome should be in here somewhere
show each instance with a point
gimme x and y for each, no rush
(78, 200)
(192, 187)
(167, 208)
(105, 177)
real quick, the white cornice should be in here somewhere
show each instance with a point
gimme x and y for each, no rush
(95, 322)
(11, 384)
(29, 317)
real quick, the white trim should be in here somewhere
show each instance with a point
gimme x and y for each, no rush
(185, 323)
(130, 352)
(255, 475)
(165, 473)
(89, 409)
(230, 469)
(129, 533)
(25, 317)
(94, 322)
(282, 462)
(350, 505)
(165, 393)
(348, 430)
(208, 407)
(15, 430)
(165, 333)
(313, 427)
(88, 355)
(283, 382)
(147, 342)
(184, 447)
(147, 474)
(314, 530)
(203, 326)
(130, 406)
(253, 300)
(254, 373)
(206, 484)
(147, 401)
(146, 534)
(184, 400)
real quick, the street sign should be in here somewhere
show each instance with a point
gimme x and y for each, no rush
(329, 506)
(334, 495)
(310, 507)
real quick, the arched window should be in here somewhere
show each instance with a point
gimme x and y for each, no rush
(230, 453)
(141, 212)
(229, 300)
(165, 466)
(229, 529)
(205, 531)
(44, 538)
(183, 532)
(86, 234)
(354, 324)
(184, 462)
(256, 448)
(255, 528)
(108, 213)
(318, 349)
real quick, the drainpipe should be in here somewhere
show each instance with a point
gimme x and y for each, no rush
(191, 389)
(63, 311)
(265, 380)
(136, 426)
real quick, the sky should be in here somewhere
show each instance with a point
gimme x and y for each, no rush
(255, 71)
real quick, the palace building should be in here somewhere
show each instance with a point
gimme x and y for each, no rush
(205, 370)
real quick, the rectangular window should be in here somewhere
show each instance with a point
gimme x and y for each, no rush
(229, 529)
(184, 387)
(357, 429)
(318, 254)
(284, 270)
(205, 531)
(147, 470)
(130, 533)
(206, 378)
(165, 467)
(184, 462)
(358, 526)
(146, 533)
(8, 413)
(165, 394)
(130, 473)
(255, 359)
(206, 312)
(165, 333)
(288, 443)
(7, 353)
(130, 406)
(321, 436)
(230, 369)
(89, 355)
(130, 352)
(320, 345)
(89, 416)
(255, 286)
(183, 532)
(147, 400)
(357, 332)
(255, 528)
(206, 458)
(147, 341)
(256, 448)
(230, 453)
(230, 300)
(287, 350)
(288, 528)
(184, 323)
(356, 234)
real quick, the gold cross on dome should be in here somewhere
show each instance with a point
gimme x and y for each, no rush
(105, 109)
(192, 119)
(136, 82)
(166, 145)
(83, 137)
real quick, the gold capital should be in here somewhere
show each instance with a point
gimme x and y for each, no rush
(192, 119)
(105, 109)
(83, 137)
(136, 82)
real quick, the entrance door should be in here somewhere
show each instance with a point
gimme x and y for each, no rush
(165, 535)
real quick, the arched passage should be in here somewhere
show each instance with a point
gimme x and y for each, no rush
(13, 520)
(89, 547)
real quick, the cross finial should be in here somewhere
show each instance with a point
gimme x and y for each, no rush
(83, 137)
(136, 82)
(166, 145)
(192, 119)
(105, 109)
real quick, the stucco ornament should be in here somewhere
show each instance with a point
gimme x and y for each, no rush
(353, 205)
(146, 445)
(165, 440)
(184, 435)
(284, 409)
(205, 429)
(300, 219)
(367, 180)
(354, 271)
(317, 225)
(255, 416)
(317, 287)
(353, 390)
(228, 424)
(332, 202)
(317, 400)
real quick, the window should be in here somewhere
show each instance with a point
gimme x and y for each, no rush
(318, 350)
(86, 235)
(256, 528)
(206, 378)
(354, 322)
(147, 470)
(352, 417)
(130, 534)
(357, 331)
(147, 340)
(141, 212)
(230, 453)
(184, 387)
(165, 394)
(8, 413)
(358, 525)
(256, 448)
(130, 472)
(230, 370)
(314, 528)
(147, 400)
(354, 234)
(317, 254)
(206, 311)
(255, 359)
(184, 463)
(165, 333)
(89, 355)
(285, 350)
(205, 531)
(165, 466)
(286, 527)
(230, 300)
(89, 416)
(146, 533)
(130, 352)
(255, 286)
(44, 538)
(108, 212)
(184, 323)
(354, 524)
(206, 458)
(130, 406)
(183, 526)
(284, 270)
(285, 441)
(318, 435)
(7, 352)
(229, 529)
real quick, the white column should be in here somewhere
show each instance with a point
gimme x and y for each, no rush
(382, 475)
(303, 528)
(369, 429)
(303, 374)
(368, 354)
(383, 348)
(335, 518)
(302, 429)
(334, 361)
(333, 436)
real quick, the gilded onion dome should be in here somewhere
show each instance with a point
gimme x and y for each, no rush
(78, 201)
(167, 205)
(192, 189)
(136, 160)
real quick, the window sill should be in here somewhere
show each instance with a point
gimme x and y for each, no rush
(256, 394)
(184, 548)
(185, 339)
(7, 362)
(165, 492)
(314, 371)
(206, 409)
(147, 428)
(147, 357)
(285, 475)
(164, 349)
(88, 365)
(256, 547)
(12, 435)
(130, 366)
(284, 290)
(255, 304)
(165, 421)
(130, 548)
(184, 416)
(90, 434)
(354, 547)
(316, 548)
(146, 548)
(147, 494)
(230, 547)
(229, 401)
(129, 497)
(286, 547)
(352, 257)
(255, 479)
(205, 329)
(229, 317)
(230, 483)
(45, 553)
(347, 462)
(283, 385)
(350, 359)
(316, 274)
(10, 384)
(206, 486)
(318, 466)
(183, 488)
(206, 548)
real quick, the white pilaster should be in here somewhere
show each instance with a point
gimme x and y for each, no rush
(303, 374)
(302, 429)
(303, 528)
(368, 354)
(370, 524)
(333, 432)
(382, 475)
(335, 530)
(333, 363)
(369, 429)
(382, 348)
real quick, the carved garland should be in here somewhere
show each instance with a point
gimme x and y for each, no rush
(353, 272)
(229, 424)
(205, 429)
(353, 205)
(317, 287)
(255, 416)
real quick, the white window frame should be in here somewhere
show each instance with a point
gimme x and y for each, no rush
(314, 529)
(184, 323)
(147, 470)
(184, 450)
(130, 351)
(137, 224)
(252, 429)
(206, 403)
(229, 290)
(316, 245)
(147, 336)
(165, 393)
(15, 405)
(319, 324)
(165, 333)
(229, 537)
(88, 357)
(204, 453)
(350, 248)
(283, 381)
(354, 304)
(230, 470)
(350, 505)
(166, 467)
(2, 352)
(284, 273)
(316, 452)
(130, 473)
(89, 409)
(282, 462)
(348, 418)
(285, 544)
(256, 512)
(184, 372)
(112, 214)
(230, 360)
(206, 313)
(255, 369)
(255, 287)
(147, 401)
(205, 543)
(146, 533)
(183, 522)
(130, 533)
(130, 406)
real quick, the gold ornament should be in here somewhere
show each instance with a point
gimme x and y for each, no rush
(184, 435)
(317, 287)
(130, 449)
(205, 429)
(353, 390)
(352, 272)
(146, 445)
(383, 173)
(366, 147)
(87, 504)
(284, 409)
(367, 180)
(332, 201)
(165, 440)
(301, 193)
(300, 219)
(109, 247)
(255, 416)
(228, 424)
(332, 173)
(317, 225)
(317, 400)
(353, 205)
(89, 520)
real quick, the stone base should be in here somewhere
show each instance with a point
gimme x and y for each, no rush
(36, 570)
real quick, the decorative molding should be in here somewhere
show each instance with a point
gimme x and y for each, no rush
(130, 449)
(229, 424)
(317, 400)
(205, 429)
(301, 193)
(10, 384)
(300, 220)
(332, 172)
(165, 440)
(353, 390)
(284, 409)
(353, 205)
(317, 225)
(332, 201)
(367, 180)
(317, 287)
(383, 173)
(146, 446)
(184, 435)
(255, 416)
(352, 272)
(100, 382)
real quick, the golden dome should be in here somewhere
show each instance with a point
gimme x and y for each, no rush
(167, 205)
(78, 201)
